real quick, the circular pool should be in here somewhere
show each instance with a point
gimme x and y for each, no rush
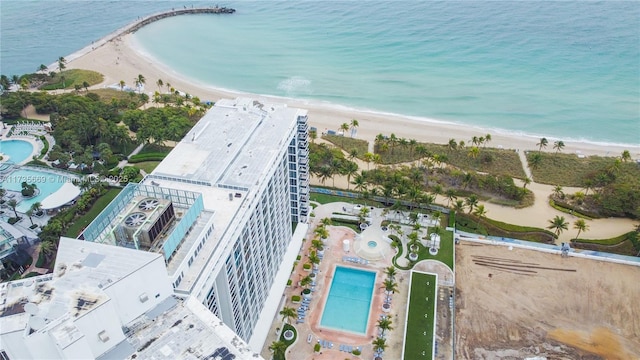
(372, 244)
(17, 150)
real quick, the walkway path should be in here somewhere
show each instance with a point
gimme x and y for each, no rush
(525, 164)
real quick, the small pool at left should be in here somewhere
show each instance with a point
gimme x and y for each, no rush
(47, 183)
(17, 150)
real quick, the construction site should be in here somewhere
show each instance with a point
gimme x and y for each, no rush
(515, 303)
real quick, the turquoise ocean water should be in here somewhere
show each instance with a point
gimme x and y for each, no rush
(569, 70)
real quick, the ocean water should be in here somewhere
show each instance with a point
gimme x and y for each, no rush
(567, 70)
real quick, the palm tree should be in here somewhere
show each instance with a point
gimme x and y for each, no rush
(344, 127)
(581, 226)
(279, 348)
(306, 281)
(313, 257)
(140, 81)
(86, 85)
(12, 204)
(325, 173)
(558, 145)
(326, 222)
(458, 206)
(350, 170)
(122, 85)
(558, 224)
(29, 213)
(385, 324)
(379, 344)
(535, 160)
(322, 232)
(474, 152)
(390, 286)
(288, 313)
(390, 272)
(159, 83)
(626, 156)
(557, 191)
(526, 181)
(368, 158)
(43, 68)
(47, 247)
(62, 64)
(354, 127)
(487, 138)
(480, 211)
(452, 145)
(542, 144)
(472, 202)
(451, 196)
(474, 140)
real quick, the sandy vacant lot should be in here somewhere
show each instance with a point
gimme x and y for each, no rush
(513, 304)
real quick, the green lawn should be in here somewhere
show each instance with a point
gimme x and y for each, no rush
(73, 77)
(147, 166)
(347, 144)
(75, 229)
(326, 199)
(419, 336)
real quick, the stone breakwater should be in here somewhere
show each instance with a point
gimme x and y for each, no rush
(174, 12)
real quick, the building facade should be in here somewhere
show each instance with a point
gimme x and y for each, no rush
(238, 187)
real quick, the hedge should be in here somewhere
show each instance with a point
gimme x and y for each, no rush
(146, 157)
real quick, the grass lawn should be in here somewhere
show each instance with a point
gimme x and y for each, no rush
(326, 199)
(419, 331)
(147, 166)
(102, 202)
(490, 160)
(625, 244)
(347, 144)
(73, 77)
(486, 226)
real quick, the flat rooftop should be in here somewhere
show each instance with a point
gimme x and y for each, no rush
(234, 144)
(181, 329)
(75, 287)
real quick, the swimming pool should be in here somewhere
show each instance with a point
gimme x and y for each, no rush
(47, 183)
(349, 301)
(17, 150)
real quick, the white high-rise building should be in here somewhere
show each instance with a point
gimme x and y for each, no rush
(227, 208)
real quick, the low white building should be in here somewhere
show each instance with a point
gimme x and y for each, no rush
(108, 302)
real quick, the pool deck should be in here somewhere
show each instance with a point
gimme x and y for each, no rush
(333, 256)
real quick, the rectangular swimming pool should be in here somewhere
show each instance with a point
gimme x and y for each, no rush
(349, 301)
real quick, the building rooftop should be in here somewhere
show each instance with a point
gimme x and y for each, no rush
(75, 287)
(186, 330)
(233, 144)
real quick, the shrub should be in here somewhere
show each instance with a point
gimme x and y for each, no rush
(146, 157)
(316, 347)
(306, 266)
(289, 282)
(356, 352)
(41, 259)
(295, 298)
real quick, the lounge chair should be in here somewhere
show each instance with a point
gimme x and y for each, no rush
(330, 345)
(309, 338)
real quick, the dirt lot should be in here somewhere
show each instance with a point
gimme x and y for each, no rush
(513, 304)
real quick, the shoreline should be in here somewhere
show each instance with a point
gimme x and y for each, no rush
(127, 60)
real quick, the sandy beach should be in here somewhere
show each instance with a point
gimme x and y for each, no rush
(121, 59)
